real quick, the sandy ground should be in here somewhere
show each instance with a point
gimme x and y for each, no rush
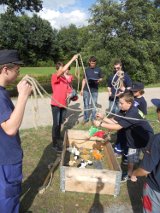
(44, 116)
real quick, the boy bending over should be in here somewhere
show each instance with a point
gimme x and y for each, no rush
(137, 130)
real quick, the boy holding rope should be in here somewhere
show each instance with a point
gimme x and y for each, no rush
(138, 131)
(58, 102)
(150, 167)
(11, 153)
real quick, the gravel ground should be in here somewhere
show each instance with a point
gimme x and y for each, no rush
(44, 116)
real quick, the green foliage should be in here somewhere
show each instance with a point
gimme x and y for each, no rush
(33, 37)
(128, 30)
(21, 5)
(68, 43)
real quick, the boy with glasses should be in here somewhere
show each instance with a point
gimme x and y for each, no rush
(11, 153)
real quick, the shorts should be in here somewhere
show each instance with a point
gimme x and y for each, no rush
(133, 155)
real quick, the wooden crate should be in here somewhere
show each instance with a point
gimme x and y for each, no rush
(102, 181)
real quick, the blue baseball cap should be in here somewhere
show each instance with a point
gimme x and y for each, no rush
(137, 86)
(156, 102)
(9, 56)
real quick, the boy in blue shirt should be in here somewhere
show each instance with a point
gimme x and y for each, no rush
(150, 167)
(137, 131)
(10, 120)
(93, 77)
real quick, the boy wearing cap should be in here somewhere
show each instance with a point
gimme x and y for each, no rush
(150, 167)
(138, 131)
(141, 104)
(10, 120)
(139, 100)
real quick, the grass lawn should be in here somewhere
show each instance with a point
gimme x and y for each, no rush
(37, 70)
(38, 154)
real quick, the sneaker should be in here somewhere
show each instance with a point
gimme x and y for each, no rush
(125, 177)
(125, 162)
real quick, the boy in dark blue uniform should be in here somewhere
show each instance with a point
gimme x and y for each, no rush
(127, 83)
(138, 131)
(10, 120)
(141, 104)
(150, 167)
(94, 76)
(139, 100)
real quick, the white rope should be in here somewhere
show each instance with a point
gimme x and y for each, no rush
(117, 84)
(37, 88)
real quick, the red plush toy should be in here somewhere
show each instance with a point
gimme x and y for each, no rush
(99, 134)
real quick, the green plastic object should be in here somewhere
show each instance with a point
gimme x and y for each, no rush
(93, 130)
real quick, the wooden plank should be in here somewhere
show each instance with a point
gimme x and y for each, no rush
(106, 181)
(111, 158)
(90, 180)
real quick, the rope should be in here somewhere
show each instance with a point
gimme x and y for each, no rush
(37, 88)
(94, 105)
(117, 84)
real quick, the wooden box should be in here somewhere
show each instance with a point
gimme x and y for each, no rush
(103, 181)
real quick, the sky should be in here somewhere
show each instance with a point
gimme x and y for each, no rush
(62, 13)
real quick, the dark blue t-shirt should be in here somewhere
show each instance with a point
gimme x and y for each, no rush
(93, 75)
(127, 83)
(10, 148)
(151, 162)
(141, 104)
(138, 132)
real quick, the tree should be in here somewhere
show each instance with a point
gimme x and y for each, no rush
(33, 37)
(128, 30)
(21, 5)
(68, 41)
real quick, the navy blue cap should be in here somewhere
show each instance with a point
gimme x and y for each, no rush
(137, 86)
(9, 56)
(156, 102)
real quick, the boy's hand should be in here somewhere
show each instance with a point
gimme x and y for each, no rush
(97, 123)
(75, 57)
(133, 178)
(81, 92)
(24, 88)
(100, 115)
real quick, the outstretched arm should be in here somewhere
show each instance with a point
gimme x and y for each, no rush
(65, 67)
(138, 172)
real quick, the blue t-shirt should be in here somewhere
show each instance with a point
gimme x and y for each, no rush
(151, 162)
(93, 75)
(127, 83)
(138, 132)
(10, 146)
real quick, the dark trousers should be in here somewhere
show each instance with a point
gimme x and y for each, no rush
(10, 187)
(58, 115)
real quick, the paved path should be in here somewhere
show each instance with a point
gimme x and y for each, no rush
(44, 117)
